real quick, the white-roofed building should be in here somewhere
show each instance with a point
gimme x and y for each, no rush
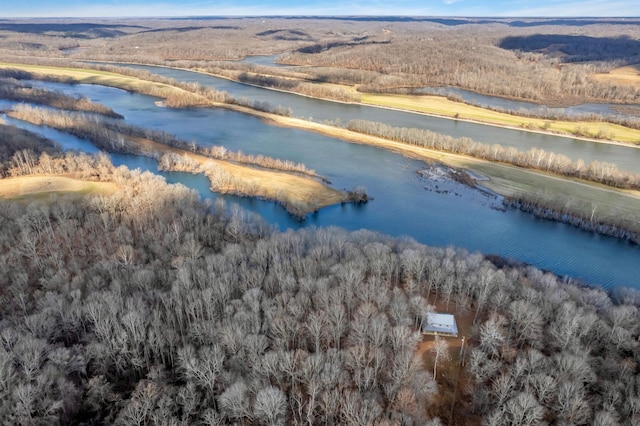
(440, 325)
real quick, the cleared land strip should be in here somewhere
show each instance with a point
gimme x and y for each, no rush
(439, 106)
(626, 75)
(23, 186)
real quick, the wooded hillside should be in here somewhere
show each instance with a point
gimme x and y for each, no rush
(551, 61)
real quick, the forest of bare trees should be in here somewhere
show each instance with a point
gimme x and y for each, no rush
(540, 60)
(15, 140)
(149, 307)
(14, 90)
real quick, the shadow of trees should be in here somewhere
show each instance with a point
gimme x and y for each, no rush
(573, 48)
(76, 30)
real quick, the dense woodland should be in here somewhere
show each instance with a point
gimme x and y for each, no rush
(542, 60)
(150, 307)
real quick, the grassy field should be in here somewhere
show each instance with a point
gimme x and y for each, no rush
(607, 205)
(438, 105)
(627, 75)
(36, 186)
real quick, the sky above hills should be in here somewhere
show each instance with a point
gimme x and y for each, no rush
(121, 8)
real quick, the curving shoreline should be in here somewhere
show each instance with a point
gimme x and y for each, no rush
(423, 153)
(577, 221)
(415, 111)
(407, 110)
(415, 152)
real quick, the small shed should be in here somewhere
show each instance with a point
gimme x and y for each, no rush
(440, 325)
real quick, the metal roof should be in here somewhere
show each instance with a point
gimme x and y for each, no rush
(440, 324)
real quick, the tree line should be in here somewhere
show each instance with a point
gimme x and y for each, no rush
(298, 86)
(117, 136)
(190, 94)
(534, 158)
(560, 210)
(15, 140)
(13, 90)
(541, 112)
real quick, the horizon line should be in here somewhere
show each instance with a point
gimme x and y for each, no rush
(405, 16)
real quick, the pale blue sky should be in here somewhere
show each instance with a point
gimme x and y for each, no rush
(516, 8)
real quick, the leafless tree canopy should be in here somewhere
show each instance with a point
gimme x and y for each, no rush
(541, 60)
(150, 307)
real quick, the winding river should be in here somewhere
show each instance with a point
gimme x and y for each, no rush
(434, 212)
(626, 157)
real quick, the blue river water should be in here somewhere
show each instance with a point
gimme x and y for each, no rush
(431, 211)
(626, 157)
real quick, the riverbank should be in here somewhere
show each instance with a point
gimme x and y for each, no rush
(297, 192)
(581, 198)
(438, 106)
(70, 75)
(441, 107)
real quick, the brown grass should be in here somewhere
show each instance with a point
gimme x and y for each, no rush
(33, 186)
(628, 75)
(292, 189)
(442, 107)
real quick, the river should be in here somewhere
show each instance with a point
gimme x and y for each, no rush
(626, 157)
(527, 107)
(436, 213)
